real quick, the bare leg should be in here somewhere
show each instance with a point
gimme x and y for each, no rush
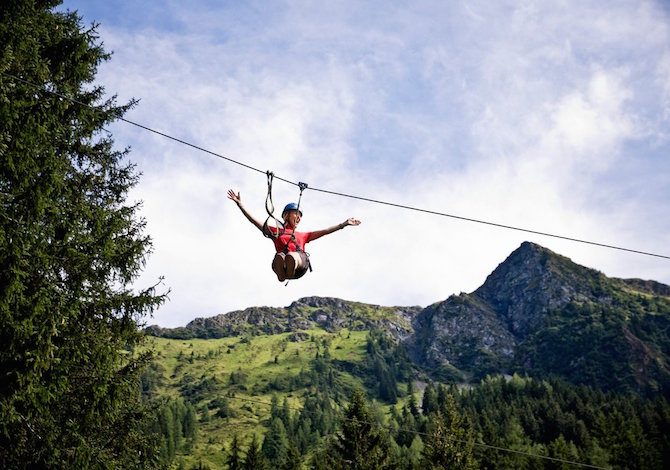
(279, 266)
(293, 263)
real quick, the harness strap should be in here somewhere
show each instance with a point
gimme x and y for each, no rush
(302, 187)
(270, 208)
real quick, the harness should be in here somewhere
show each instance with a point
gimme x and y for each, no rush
(280, 228)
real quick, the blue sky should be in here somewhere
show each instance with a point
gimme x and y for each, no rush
(549, 115)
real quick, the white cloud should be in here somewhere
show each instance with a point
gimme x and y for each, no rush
(549, 117)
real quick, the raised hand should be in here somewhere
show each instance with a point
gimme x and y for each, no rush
(234, 197)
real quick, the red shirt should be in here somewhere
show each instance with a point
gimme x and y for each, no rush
(285, 239)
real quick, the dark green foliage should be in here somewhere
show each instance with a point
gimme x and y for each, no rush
(254, 459)
(408, 457)
(407, 426)
(222, 406)
(178, 427)
(275, 444)
(238, 377)
(360, 443)
(293, 460)
(429, 404)
(174, 333)
(387, 364)
(70, 247)
(194, 390)
(324, 374)
(533, 419)
(200, 466)
(450, 439)
(553, 418)
(152, 378)
(317, 418)
(412, 406)
(234, 460)
(618, 346)
(285, 414)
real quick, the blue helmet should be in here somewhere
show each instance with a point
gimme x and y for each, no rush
(292, 206)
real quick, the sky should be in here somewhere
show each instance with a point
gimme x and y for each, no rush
(547, 115)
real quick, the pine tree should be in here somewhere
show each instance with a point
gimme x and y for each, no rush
(275, 444)
(254, 459)
(388, 388)
(190, 423)
(450, 441)
(442, 394)
(166, 420)
(359, 444)
(429, 403)
(285, 416)
(274, 406)
(561, 449)
(293, 459)
(234, 459)
(413, 406)
(70, 246)
(407, 428)
(512, 436)
(415, 451)
(178, 412)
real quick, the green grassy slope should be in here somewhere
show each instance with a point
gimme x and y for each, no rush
(245, 372)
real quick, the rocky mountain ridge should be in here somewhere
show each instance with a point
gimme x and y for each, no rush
(329, 313)
(537, 313)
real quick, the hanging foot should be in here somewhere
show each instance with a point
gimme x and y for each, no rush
(279, 266)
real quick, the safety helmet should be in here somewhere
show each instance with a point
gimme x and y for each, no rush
(292, 206)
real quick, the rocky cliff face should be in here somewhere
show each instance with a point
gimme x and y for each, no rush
(539, 313)
(482, 330)
(533, 281)
(461, 335)
(328, 313)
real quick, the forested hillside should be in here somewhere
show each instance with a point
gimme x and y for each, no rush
(286, 399)
(547, 362)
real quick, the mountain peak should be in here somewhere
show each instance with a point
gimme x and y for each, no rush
(321, 302)
(529, 251)
(532, 281)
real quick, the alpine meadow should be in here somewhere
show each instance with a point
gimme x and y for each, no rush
(547, 365)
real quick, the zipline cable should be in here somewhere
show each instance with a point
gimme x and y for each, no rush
(425, 434)
(141, 126)
(494, 224)
(341, 194)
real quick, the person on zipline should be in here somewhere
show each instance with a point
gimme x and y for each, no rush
(290, 261)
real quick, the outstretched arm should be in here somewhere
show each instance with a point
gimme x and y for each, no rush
(237, 200)
(320, 233)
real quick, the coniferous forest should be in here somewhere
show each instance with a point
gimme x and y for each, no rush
(70, 247)
(502, 422)
(84, 386)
